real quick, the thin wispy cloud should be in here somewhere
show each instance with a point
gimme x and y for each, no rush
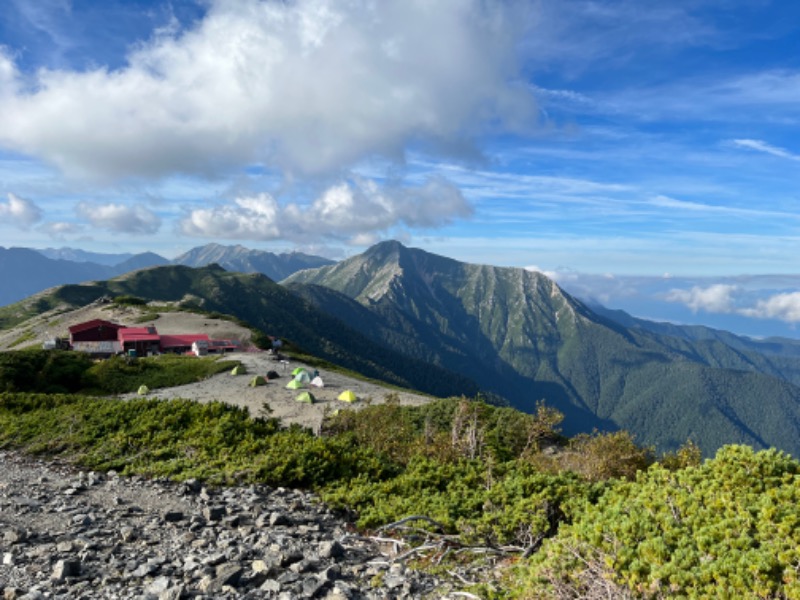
(761, 146)
(698, 207)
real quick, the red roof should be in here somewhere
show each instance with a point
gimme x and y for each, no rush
(225, 344)
(93, 324)
(176, 341)
(138, 334)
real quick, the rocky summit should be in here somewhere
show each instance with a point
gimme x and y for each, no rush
(66, 533)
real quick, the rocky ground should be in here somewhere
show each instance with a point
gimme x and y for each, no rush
(66, 533)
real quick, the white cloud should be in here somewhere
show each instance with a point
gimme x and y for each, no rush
(716, 298)
(785, 307)
(358, 209)
(722, 298)
(248, 219)
(308, 86)
(59, 230)
(554, 275)
(761, 146)
(20, 211)
(119, 217)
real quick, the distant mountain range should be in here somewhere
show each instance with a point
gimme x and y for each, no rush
(25, 271)
(244, 260)
(441, 326)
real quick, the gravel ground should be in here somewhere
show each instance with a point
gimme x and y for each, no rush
(236, 389)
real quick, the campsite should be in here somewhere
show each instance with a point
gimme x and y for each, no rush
(237, 390)
(226, 387)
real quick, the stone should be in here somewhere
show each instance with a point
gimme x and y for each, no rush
(173, 516)
(173, 593)
(66, 568)
(277, 519)
(15, 536)
(214, 513)
(270, 585)
(330, 549)
(12, 593)
(159, 585)
(127, 534)
(312, 585)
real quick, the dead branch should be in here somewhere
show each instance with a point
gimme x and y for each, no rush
(397, 524)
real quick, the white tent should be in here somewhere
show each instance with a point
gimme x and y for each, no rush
(317, 381)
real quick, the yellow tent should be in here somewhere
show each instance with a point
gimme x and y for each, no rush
(347, 396)
(258, 380)
(306, 397)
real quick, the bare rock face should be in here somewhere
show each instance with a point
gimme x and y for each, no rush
(71, 534)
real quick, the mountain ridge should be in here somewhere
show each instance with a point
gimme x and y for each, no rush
(518, 334)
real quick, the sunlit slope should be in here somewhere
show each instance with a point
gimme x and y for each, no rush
(518, 334)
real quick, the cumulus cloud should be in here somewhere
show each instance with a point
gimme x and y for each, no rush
(356, 209)
(20, 211)
(59, 230)
(119, 218)
(732, 299)
(254, 218)
(308, 86)
(785, 307)
(716, 298)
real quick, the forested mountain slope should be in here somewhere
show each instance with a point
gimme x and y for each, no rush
(519, 335)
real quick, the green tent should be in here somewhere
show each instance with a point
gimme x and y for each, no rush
(298, 370)
(295, 385)
(257, 380)
(239, 370)
(303, 377)
(347, 396)
(143, 390)
(306, 397)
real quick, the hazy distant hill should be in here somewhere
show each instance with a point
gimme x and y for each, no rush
(518, 334)
(26, 271)
(77, 255)
(244, 260)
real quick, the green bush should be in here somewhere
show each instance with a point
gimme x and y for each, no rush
(126, 300)
(48, 371)
(729, 528)
(119, 375)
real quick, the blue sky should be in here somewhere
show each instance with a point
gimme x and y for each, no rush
(578, 137)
